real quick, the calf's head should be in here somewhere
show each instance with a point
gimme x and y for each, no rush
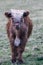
(19, 26)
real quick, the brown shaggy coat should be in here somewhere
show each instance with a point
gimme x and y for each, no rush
(17, 51)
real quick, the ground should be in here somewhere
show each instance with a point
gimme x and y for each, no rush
(33, 53)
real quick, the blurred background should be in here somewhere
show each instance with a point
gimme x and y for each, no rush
(33, 54)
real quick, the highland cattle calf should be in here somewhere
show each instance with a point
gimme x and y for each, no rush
(19, 28)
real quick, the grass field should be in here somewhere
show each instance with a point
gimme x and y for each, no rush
(33, 54)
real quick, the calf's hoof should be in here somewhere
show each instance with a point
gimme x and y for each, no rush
(21, 62)
(13, 60)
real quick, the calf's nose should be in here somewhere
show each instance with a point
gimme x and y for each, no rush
(17, 27)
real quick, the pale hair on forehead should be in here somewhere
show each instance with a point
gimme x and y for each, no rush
(17, 14)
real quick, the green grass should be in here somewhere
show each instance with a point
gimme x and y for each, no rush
(33, 53)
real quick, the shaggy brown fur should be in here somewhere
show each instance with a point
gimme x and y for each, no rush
(18, 51)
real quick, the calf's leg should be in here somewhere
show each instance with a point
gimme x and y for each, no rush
(21, 50)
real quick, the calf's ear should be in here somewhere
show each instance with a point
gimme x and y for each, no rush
(8, 15)
(25, 13)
